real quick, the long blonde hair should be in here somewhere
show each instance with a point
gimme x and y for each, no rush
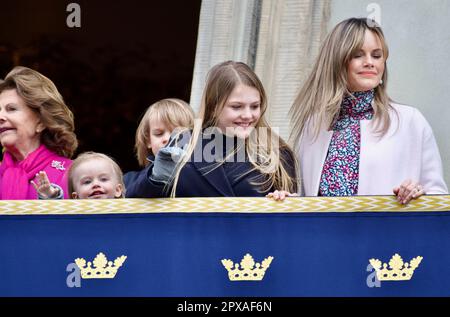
(319, 100)
(41, 95)
(269, 161)
(172, 112)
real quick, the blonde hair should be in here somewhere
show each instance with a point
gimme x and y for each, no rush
(87, 156)
(42, 96)
(319, 101)
(221, 81)
(172, 112)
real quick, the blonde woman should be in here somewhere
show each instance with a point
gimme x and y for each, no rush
(36, 133)
(231, 151)
(350, 137)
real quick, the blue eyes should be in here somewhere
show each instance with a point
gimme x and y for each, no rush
(88, 181)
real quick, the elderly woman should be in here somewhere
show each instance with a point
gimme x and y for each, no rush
(351, 139)
(36, 133)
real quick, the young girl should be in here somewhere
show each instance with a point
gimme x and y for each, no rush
(232, 150)
(153, 133)
(91, 176)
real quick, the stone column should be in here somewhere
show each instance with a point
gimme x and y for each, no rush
(290, 34)
(227, 31)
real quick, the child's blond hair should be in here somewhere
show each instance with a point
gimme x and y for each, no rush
(170, 111)
(86, 156)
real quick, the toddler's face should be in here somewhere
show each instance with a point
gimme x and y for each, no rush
(96, 179)
(159, 135)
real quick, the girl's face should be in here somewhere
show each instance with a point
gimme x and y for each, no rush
(96, 179)
(366, 68)
(241, 112)
(159, 135)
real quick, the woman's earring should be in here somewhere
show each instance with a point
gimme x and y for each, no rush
(381, 81)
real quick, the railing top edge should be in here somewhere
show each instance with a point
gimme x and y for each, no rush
(223, 205)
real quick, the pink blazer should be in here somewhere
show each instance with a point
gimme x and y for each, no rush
(57, 171)
(54, 165)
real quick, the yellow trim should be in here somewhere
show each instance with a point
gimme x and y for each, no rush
(221, 205)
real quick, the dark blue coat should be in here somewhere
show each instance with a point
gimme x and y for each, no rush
(205, 179)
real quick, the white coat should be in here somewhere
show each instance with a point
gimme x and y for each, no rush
(407, 151)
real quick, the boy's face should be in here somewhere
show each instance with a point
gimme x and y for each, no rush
(96, 179)
(159, 135)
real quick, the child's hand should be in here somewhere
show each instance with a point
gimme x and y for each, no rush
(43, 186)
(280, 195)
(165, 162)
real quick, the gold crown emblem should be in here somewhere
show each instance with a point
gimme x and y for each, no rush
(102, 268)
(249, 271)
(398, 270)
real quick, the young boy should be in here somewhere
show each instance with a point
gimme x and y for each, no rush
(153, 134)
(95, 176)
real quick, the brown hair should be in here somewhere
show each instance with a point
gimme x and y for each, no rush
(42, 96)
(221, 81)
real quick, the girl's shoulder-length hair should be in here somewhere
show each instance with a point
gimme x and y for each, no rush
(220, 83)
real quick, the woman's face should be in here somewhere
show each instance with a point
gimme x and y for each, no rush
(366, 68)
(20, 126)
(241, 112)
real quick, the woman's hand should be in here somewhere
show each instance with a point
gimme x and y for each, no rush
(43, 187)
(407, 191)
(280, 195)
